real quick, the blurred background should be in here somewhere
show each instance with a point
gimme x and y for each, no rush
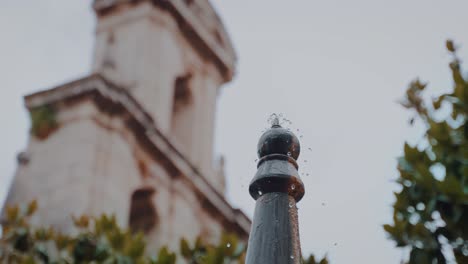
(336, 69)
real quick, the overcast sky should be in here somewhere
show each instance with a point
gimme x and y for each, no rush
(334, 68)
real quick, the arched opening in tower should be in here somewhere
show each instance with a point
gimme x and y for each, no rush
(143, 215)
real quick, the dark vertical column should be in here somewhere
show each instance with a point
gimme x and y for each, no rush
(276, 187)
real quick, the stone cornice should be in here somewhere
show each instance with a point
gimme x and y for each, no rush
(114, 99)
(198, 22)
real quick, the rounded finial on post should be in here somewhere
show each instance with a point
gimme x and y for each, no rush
(278, 140)
(278, 150)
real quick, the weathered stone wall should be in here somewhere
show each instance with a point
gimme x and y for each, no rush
(142, 48)
(92, 164)
(60, 169)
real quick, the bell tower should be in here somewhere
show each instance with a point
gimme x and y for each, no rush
(172, 56)
(135, 137)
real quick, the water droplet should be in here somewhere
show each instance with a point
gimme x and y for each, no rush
(323, 204)
(289, 154)
(291, 204)
(260, 192)
(310, 149)
(273, 120)
(293, 187)
(228, 245)
(292, 257)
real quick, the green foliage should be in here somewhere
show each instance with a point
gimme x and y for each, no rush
(98, 240)
(101, 240)
(431, 210)
(43, 121)
(228, 250)
(311, 260)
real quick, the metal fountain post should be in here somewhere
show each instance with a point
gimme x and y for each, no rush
(276, 187)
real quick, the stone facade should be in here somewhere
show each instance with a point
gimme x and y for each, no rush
(135, 138)
(146, 46)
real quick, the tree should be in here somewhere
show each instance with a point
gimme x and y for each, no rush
(431, 209)
(101, 240)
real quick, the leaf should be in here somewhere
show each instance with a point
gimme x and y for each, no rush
(228, 244)
(43, 121)
(439, 131)
(396, 234)
(62, 241)
(185, 248)
(32, 207)
(323, 261)
(12, 213)
(412, 154)
(437, 103)
(451, 187)
(418, 256)
(198, 243)
(43, 234)
(166, 257)
(81, 222)
(450, 45)
(418, 85)
(136, 246)
(404, 165)
(402, 200)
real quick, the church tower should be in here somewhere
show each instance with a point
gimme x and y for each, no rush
(172, 56)
(135, 137)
